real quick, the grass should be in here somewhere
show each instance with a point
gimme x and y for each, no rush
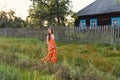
(20, 60)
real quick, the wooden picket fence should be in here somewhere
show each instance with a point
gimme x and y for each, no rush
(101, 34)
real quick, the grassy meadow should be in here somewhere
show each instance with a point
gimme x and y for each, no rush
(20, 60)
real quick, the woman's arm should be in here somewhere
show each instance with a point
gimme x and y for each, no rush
(49, 43)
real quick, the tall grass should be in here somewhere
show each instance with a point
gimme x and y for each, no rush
(20, 60)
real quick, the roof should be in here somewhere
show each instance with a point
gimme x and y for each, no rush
(99, 7)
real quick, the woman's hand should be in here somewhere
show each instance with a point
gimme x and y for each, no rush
(52, 47)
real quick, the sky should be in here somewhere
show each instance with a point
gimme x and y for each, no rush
(21, 7)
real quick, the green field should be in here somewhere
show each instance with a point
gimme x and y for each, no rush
(20, 60)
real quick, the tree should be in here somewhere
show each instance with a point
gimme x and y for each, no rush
(52, 11)
(118, 1)
(3, 19)
(11, 14)
(8, 19)
(71, 19)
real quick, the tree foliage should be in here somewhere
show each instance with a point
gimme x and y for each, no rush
(8, 19)
(52, 11)
(118, 1)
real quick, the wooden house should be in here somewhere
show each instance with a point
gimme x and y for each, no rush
(100, 12)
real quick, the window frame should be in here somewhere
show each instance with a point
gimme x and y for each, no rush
(115, 18)
(81, 21)
(96, 22)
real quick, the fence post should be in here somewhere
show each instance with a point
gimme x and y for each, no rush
(118, 33)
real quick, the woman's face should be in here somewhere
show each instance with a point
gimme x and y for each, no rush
(49, 31)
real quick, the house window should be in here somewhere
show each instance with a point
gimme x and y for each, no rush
(115, 21)
(82, 24)
(93, 23)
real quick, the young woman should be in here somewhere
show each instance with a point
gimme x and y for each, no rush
(52, 54)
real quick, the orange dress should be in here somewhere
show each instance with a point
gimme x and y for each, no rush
(52, 54)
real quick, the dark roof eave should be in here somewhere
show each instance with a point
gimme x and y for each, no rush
(99, 13)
